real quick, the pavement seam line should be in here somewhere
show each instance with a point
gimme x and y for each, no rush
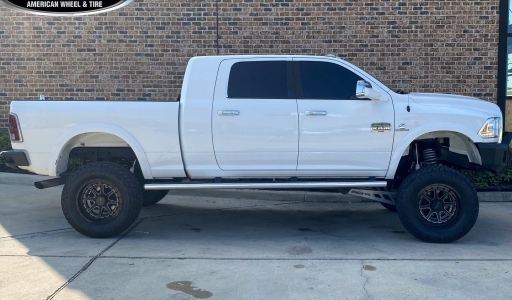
(92, 260)
(266, 258)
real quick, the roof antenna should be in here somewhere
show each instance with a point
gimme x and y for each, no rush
(41, 97)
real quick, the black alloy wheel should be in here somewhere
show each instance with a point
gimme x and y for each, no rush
(437, 204)
(101, 199)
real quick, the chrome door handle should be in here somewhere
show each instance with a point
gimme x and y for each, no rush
(316, 113)
(228, 112)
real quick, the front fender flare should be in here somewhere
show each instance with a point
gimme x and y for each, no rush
(402, 145)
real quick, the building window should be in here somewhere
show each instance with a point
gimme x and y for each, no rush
(509, 50)
(504, 99)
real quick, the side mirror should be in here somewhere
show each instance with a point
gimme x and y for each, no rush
(364, 90)
(361, 87)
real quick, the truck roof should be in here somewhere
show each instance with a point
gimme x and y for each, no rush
(331, 56)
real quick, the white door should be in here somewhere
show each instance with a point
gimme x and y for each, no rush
(254, 116)
(336, 134)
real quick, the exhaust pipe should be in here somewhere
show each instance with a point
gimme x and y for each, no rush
(44, 184)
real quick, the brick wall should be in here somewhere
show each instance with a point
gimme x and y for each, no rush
(140, 51)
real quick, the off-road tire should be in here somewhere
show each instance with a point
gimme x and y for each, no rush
(76, 196)
(389, 207)
(436, 178)
(153, 197)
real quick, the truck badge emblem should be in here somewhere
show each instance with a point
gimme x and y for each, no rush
(401, 127)
(381, 127)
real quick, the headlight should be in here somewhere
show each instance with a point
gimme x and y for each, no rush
(491, 129)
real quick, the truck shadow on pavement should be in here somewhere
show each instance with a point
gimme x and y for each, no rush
(262, 229)
(37, 245)
(222, 228)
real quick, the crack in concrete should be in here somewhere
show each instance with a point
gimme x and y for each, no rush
(366, 281)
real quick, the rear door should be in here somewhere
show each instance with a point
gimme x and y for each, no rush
(336, 134)
(254, 116)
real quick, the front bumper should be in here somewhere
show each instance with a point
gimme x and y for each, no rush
(495, 157)
(15, 158)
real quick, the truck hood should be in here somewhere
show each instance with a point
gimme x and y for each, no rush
(456, 102)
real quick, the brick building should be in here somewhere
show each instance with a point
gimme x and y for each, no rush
(139, 52)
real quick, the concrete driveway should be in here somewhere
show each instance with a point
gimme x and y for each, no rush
(267, 246)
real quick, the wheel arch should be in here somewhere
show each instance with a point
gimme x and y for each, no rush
(462, 138)
(97, 135)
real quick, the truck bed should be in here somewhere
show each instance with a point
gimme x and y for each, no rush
(149, 128)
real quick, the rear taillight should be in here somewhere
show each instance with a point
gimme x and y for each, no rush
(14, 128)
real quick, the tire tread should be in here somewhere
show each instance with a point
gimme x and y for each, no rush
(470, 204)
(134, 199)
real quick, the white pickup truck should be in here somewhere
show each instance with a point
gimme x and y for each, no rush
(265, 122)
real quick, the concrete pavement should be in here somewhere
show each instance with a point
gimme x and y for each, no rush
(235, 246)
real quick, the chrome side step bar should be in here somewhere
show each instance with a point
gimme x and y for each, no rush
(267, 185)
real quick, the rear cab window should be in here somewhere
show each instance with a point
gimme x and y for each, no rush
(261, 80)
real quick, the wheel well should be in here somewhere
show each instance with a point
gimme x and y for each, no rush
(81, 156)
(454, 142)
(92, 147)
(448, 148)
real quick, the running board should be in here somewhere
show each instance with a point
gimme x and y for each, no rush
(268, 185)
(380, 196)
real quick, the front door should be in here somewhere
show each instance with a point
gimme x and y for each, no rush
(336, 135)
(254, 116)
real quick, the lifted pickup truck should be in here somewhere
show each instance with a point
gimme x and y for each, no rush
(265, 122)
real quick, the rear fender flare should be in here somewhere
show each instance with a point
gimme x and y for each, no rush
(60, 152)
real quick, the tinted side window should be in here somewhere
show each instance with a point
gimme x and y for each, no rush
(324, 80)
(258, 79)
